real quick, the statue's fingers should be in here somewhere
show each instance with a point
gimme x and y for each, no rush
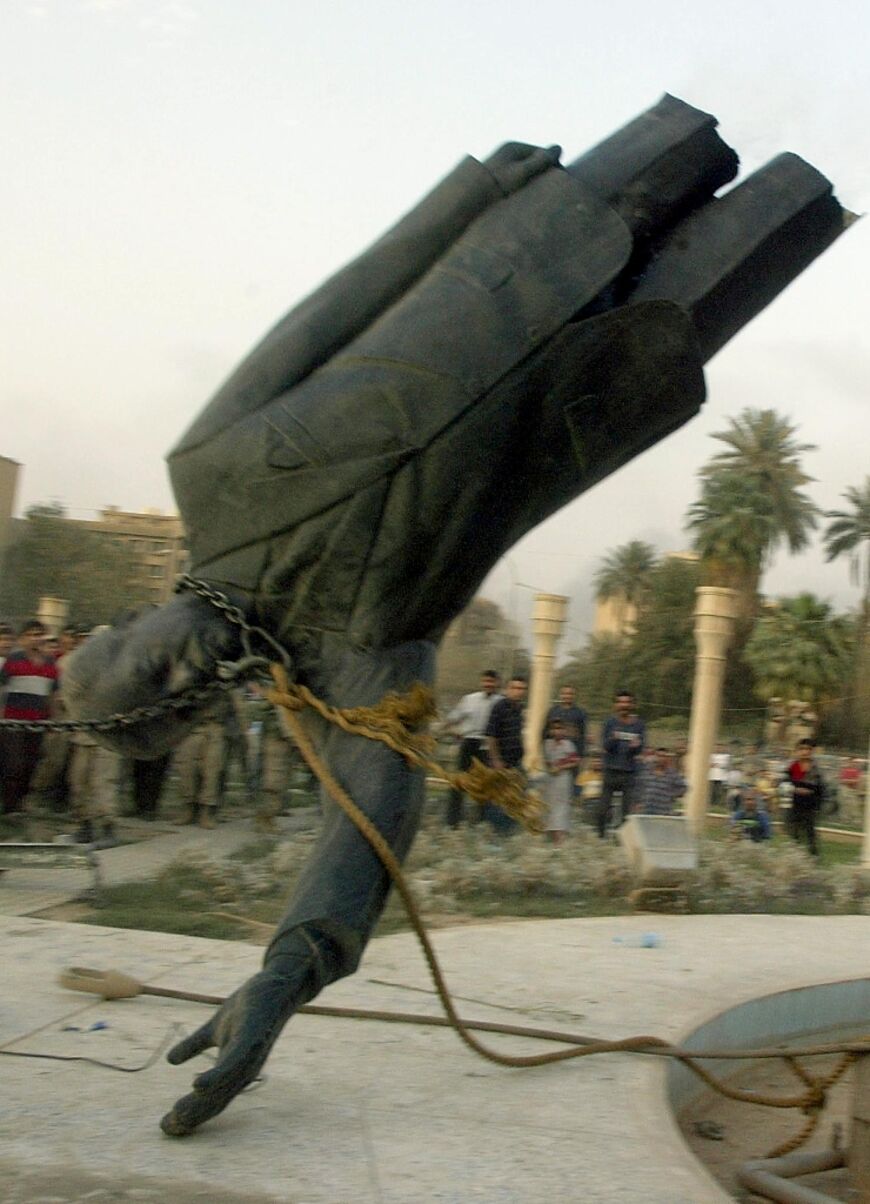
(190, 1046)
(192, 1110)
(237, 1066)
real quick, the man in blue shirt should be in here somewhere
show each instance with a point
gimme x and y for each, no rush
(622, 741)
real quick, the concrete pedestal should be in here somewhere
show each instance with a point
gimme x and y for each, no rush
(379, 1113)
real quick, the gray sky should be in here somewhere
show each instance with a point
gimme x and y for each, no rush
(177, 173)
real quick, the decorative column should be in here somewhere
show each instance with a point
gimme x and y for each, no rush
(53, 613)
(548, 616)
(715, 612)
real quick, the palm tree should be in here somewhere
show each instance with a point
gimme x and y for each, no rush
(751, 501)
(849, 535)
(624, 572)
(801, 650)
(733, 528)
(622, 577)
(762, 448)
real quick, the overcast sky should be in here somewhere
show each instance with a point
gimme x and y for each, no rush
(177, 173)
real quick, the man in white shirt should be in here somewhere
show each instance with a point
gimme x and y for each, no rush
(468, 721)
(720, 763)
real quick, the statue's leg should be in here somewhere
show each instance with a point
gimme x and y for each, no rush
(340, 893)
(343, 883)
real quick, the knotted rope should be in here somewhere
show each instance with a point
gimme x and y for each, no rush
(398, 721)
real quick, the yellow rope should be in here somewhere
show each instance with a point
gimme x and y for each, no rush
(394, 722)
(398, 721)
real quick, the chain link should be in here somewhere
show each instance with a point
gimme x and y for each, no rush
(178, 702)
(228, 673)
(235, 615)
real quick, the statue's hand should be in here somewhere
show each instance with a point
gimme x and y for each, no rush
(244, 1029)
(515, 163)
(157, 655)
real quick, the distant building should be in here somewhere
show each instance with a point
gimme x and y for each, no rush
(616, 616)
(9, 470)
(157, 542)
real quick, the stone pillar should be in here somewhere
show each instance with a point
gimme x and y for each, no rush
(548, 616)
(53, 613)
(715, 612)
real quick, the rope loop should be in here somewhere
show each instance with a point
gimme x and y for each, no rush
(399, 721)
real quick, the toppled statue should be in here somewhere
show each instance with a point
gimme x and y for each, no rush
(360, 473)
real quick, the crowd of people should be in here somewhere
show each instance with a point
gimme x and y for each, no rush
(604, 781)
(623, 774)
(70, 774)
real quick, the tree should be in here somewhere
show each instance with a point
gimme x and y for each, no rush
(849, 535)
(761, 447)
(656, 659)
(54, 556)
(751, 502)
(624, 572)
(481, 637)
(662, 651)
(732, 527)
(801, 650)
(597, 670)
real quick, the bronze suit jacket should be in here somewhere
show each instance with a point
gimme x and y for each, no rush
(435, 400)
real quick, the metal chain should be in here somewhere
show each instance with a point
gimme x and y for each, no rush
(235, 615)
(228, 674)
(178, 702)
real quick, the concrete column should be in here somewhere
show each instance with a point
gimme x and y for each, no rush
(53, 613)
(715, 612)
(548, 616)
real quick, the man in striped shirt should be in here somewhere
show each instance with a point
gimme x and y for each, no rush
(30, 680)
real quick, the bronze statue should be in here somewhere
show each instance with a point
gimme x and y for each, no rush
(359, 474)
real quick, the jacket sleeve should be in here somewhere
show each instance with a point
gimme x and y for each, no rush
(336, 312)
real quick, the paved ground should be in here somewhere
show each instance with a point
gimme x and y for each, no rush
(377, 1113)
(31, 889)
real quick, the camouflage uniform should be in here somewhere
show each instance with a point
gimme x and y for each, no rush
(199, 763)
(94, 775)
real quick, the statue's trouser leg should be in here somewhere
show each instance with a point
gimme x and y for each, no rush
(343, 887)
